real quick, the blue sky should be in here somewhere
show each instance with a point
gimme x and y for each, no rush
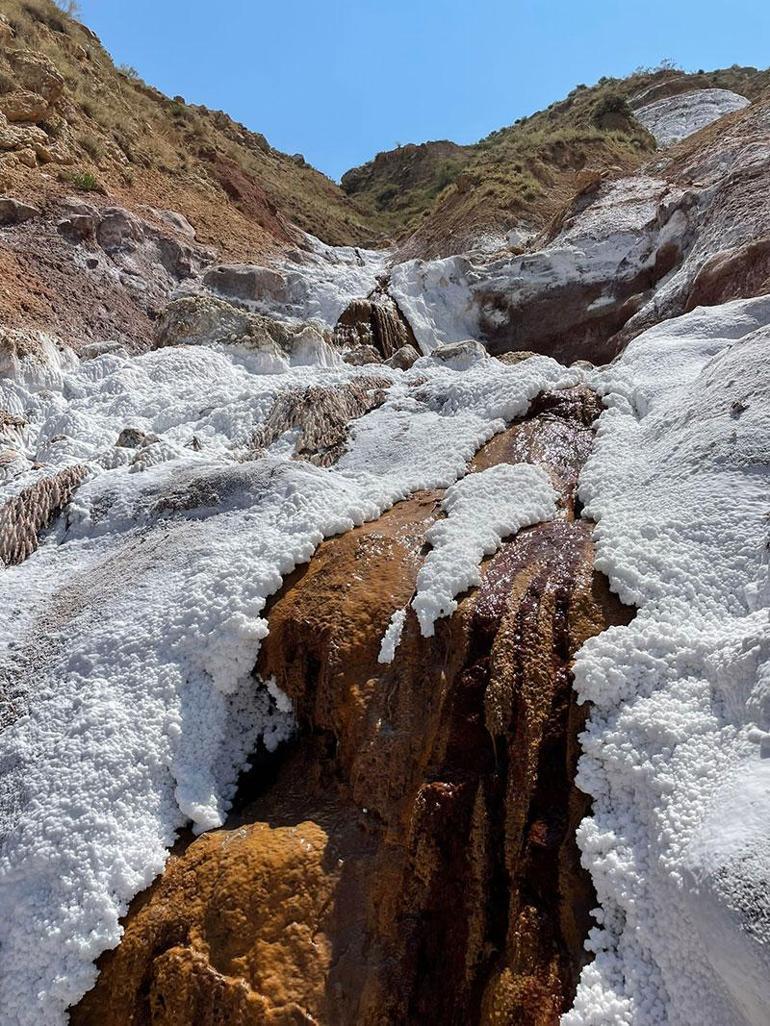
(338, 80)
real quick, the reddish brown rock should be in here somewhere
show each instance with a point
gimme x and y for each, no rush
(732, 274)
(377, 322)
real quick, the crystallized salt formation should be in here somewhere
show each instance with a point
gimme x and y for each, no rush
(128, 639)
(481, 509)
(675, 117)
(676, 750)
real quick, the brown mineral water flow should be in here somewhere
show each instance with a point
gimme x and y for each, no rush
(411, 858)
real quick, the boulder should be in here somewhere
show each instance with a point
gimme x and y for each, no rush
(360, 356)
(403, 358)
(133, 438)
(206, 320)
(515, 357)
(13, 211)
(78, 228)
(36, 73)
(178, 222)
(22, 105)
(460, 355)
(118, 229)
(247, 282)
(15, 137)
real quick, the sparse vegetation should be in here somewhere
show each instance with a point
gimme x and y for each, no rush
(164, 151)
(611, 103)
(86, 181)
(92, 146)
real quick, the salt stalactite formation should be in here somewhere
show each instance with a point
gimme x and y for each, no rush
(320, 417)
(375, 321)
(24, 517)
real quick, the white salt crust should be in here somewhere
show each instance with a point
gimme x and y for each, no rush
(675, 117)
(676, 749)
(481, 510)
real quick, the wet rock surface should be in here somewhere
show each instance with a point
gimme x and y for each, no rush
(412, 858)
(375, 321)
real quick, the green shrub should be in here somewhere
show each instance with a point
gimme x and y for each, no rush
(611, 103)
(86, 181)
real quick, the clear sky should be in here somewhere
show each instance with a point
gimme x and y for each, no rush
(338, 80)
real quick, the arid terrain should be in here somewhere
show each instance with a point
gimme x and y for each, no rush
(384, 563)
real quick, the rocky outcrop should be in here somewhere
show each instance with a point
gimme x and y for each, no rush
(412, 858)
(621, 256)
(92, 272)
(312, 282)
(205, 320)
(403, 358)
(13, 211)
(375, 321)
(673, 118)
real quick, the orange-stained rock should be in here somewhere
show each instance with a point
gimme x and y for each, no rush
(411, 860)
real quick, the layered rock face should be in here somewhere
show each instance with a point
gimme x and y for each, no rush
(377, 322)
(413, 857)
(689, 228)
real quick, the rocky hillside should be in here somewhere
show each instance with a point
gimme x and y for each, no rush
(399, 186)
(438, 199)
(384, 640)
(72, 120)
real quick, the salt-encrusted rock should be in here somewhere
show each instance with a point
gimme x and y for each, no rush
(132, 438)
(675, 117)
(118, 229)
(24, 517)
(13, 211)
(247, 282)
(359, 356)
(460, 355)
(403, 358)
(320, 418)
(79, 228)
(374, 321)
(732, 273)
(205, 320)
(515, 357)
(334, 891)
(178, 222)
(95, 349)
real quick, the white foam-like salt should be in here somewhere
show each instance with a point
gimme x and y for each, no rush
(481, 510)
(677, 844)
